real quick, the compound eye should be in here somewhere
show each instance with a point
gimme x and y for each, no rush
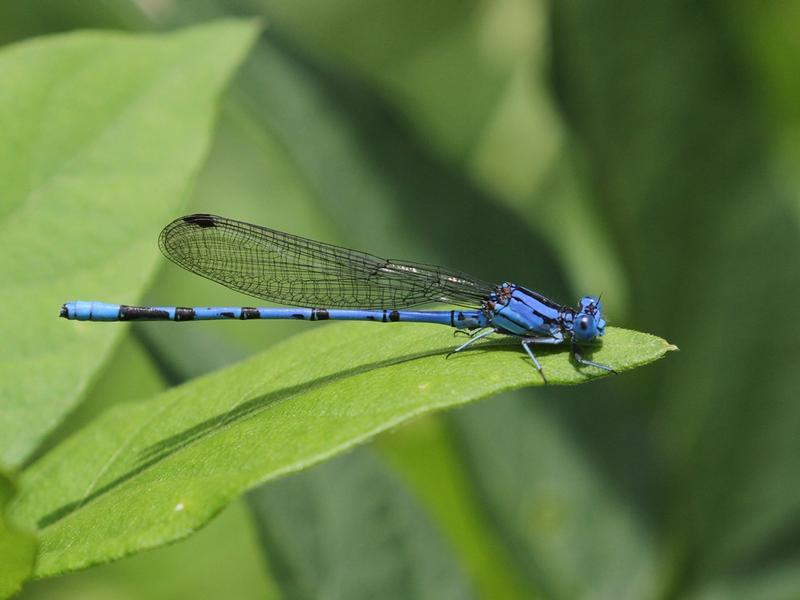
(585, 328)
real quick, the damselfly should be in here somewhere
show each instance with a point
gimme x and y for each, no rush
(350, 285)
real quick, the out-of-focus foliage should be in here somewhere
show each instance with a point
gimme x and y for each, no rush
(81, 143)
(353, 527)
(17, 547)
(648, 151)
(223, 560)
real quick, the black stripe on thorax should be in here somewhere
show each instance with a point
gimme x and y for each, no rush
(538, 297)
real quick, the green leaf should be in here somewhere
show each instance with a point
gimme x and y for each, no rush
(446, 54)
(555, 510)
(130, 373)
(17, 548)
(20, 19)
(223, 560)
(225, 557)
(102, 135)
(429, 459)
(351, 530)
(148, 473)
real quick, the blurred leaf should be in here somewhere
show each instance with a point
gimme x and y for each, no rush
(152, 472)
(78, 133)
(770, 39)
(664, 103)
(779, 582)
(425, 455)
(222, 560)
(351, 530)
(564, 522)
(20, 19)
(17, 548)
(444, 69)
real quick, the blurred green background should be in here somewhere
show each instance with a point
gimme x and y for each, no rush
(645, 151)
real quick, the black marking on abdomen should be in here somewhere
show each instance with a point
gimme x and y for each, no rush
(136, 313)
(248, 312)
(452, 318)
(201, 220)
(370, 317)
(228, 314)
(182, 313)
(383, 318)
(300, 316)
(394, 316)
(320, 314)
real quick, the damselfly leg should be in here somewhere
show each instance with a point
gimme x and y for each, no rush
(540, 340)
(474, 338)
(576, 354)
(469, 334)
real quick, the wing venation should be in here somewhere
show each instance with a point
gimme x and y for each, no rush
(289, 269)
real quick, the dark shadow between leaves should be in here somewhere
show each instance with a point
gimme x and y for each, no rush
(165, 448)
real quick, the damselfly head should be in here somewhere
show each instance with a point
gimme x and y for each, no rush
(589, 322)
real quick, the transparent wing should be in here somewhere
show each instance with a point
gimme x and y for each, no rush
(288, 269)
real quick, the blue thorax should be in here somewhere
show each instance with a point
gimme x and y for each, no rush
(519, 311)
